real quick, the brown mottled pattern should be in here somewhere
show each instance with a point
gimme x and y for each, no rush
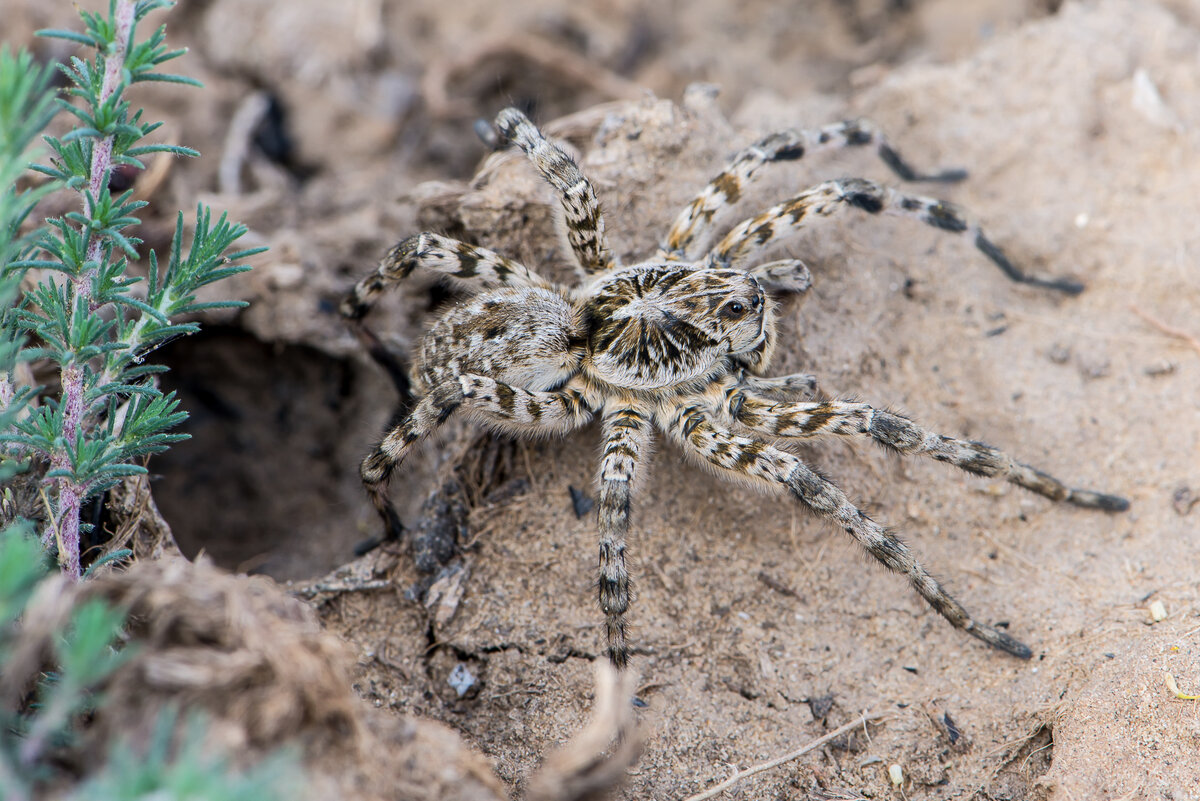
(682, 347)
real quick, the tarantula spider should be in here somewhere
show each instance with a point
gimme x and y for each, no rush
(680, 343)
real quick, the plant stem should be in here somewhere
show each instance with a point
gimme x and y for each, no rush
(114, 62)
(70, 492)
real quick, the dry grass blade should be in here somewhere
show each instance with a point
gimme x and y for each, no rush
(1176, 333)
(716, 790)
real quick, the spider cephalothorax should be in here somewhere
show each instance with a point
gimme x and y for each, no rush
(679, 344)
(655, 326)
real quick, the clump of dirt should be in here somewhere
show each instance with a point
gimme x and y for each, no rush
(256, 662)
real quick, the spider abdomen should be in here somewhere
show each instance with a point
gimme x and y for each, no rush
(531, 338)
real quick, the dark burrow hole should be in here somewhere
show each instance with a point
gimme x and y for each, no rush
(268, 482)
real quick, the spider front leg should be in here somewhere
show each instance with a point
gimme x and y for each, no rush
(802, 385)
(692, 229)
(778, 471)
(627, 433)
(504, 407)
(470, 267)
(785, 275)
(752, 236)
(806, 420)
(581, 207)
(425, 418)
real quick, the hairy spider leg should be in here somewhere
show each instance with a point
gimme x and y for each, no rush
(692, 230)
(778, 471)
(752, 236)
(785, 275)
(506, 408)
(802, 385)
(807, 420)
(581, 208)
(627, 434)
(467, 266)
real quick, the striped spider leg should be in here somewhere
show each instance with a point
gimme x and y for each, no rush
(897, 433)
(779, 472)
(693, 229)
(750, 237)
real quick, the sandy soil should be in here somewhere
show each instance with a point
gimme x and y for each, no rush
(758, 628)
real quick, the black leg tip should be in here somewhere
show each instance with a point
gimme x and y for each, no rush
(905, 171)
(945, 176)
(1068, 286)
(1112, 503)
(393, 532)
(1015, 647)
(1098, 500)
(352, 310)
(999, 640)
(487, 134)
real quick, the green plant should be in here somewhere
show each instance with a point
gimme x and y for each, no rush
(26, 107)
(189, 772)
(41, 713)
(83, 651)
(90, 315)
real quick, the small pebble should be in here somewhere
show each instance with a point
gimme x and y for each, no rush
(1059, 354)
(896, 774)
(581, 502)
(1160, 367)
(1158, 611)
(461, 679)
(286, 276)
(819, 707)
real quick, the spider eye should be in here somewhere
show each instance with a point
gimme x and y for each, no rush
(735, 309)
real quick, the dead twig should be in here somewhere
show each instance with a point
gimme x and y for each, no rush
(716, 790)
(1171, 331)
